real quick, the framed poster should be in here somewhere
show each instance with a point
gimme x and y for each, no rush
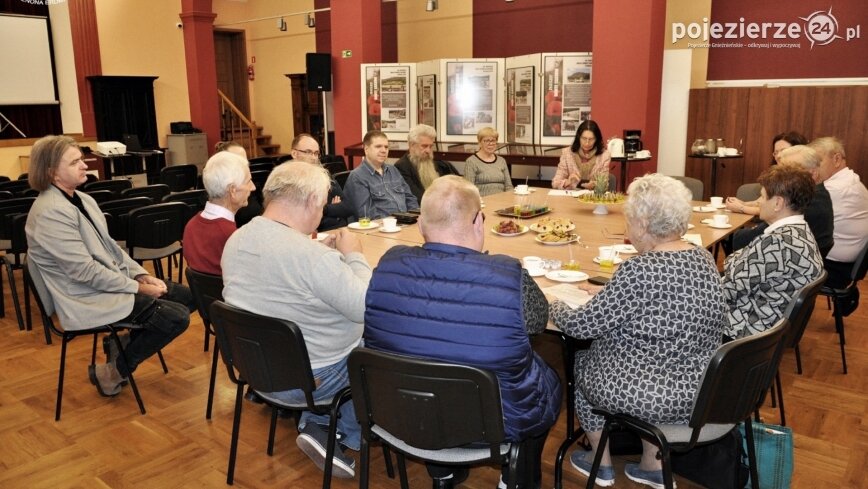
(519, 104)
(471, 96)
(426, 92)
(387, 98)
(566, 94)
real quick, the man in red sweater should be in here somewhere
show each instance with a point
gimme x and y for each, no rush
(227, 180)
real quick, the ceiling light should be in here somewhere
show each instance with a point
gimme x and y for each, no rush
(310, 20)
(431, 6)
(281, 24)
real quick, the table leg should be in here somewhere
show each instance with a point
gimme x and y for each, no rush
(713, 177)
(624, 176)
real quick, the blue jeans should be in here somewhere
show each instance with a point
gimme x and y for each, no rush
(331, 379)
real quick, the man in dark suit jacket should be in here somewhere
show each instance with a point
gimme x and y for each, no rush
(418, 166)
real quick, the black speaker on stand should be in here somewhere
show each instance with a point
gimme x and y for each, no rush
(319, 79)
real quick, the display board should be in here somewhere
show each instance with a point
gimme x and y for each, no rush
(519, 104)
(387, 104)
(426, 93)
(472, 95)
(566, 95)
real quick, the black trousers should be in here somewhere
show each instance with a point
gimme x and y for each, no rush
(160, 320)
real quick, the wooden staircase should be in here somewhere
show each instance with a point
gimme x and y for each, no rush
(235, 126)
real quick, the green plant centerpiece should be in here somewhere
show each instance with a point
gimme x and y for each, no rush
(601, 184)
(601, 197)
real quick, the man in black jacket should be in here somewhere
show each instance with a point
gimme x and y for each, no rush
(418, 166)
(337, 210)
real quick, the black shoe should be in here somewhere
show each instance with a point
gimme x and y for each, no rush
(252, 396)
(460, 475)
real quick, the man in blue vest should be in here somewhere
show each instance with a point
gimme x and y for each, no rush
(482, 307)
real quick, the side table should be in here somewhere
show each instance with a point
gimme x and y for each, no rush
(714, 157)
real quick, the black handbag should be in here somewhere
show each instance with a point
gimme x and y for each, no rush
(716, 465)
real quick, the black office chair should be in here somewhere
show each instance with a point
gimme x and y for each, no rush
(693, 184)
(155, 232)
(101, 196)
(33, 278)
(120, 209)
(282, 159)
(180, 177)
(333, 163)
(115, 186)
(9, 209)
(341, 178)
(17, 187)
(798, 313)
(259, 177)
(429, 410)
(270, 355)
(4, 178)
(6, 195)
(263, 166)
(264, 159)
(155, 192)
(23, 176)
(846, 300)
(195, 200)
(206, 289)
(734, 384)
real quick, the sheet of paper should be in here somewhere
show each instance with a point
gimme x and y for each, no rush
(568, 293)
(568, 193)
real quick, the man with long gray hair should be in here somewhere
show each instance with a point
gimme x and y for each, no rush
(418, 166)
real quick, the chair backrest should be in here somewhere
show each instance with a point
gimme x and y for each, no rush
(43, 296)
(9, 209)
(156, 192)
(333, 163)
(737, 377)
(157, 225)
(179, 177)
(206, 289)
(748, 192)
(15, 186)
(101, 196)
(119, 210)
(263, 166)
(6, 195)
(283, 159)
(116, 186)
(268, 353)
(263, 159)
(800, 309)
(426, 403)
(23, 176)
(695, 186)
(4, 178)
(18, 236)
(195, 199)
(259, 177)
(341, 177)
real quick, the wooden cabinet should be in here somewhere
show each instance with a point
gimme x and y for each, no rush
(307, 113)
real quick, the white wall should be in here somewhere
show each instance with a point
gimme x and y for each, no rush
(674, 101)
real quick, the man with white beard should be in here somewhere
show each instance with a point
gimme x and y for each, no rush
(418, 166)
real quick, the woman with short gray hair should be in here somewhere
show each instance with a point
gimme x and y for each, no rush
(655, 325)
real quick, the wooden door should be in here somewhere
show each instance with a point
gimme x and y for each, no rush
(231, 57)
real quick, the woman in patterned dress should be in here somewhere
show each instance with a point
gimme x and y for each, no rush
(760, 280)
(655, 326)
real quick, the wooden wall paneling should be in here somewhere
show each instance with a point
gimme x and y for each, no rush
(718, 113)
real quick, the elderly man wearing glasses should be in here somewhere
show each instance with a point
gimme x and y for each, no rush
(337, 210)
(418, 166)
(485, 169)
(464, 306)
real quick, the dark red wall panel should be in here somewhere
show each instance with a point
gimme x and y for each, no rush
(839, 58)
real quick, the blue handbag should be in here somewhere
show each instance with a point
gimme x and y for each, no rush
(774, 454)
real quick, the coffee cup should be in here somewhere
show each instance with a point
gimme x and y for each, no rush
(720, 220)
(716, 201)
(390, 223)
(721, 151)
(522, 189)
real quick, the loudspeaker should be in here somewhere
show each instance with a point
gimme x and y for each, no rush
(319, 71)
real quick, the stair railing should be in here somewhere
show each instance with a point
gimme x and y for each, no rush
(235, 126)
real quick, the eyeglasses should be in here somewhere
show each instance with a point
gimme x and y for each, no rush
(489, 141)
(588, 140)
(479, 213)
(309, 152)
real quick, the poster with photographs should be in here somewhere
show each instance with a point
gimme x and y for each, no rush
(387, 95)
(566, 94)
(426, 93)
(471, 97)
(519, 104)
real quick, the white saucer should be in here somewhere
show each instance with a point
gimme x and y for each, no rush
(715, 226)
(627, 249)
(719, 206)
(521, 193)
(690, 226)
(706, 221)
(566, 276)
(356, 225)
(536, 272)
(617, 260)
(390, 230)
(704, 209)
(322, 236)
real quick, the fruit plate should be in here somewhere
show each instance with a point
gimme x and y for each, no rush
(572, 239)
(524, 229)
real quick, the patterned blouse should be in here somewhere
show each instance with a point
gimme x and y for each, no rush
(760, 279)
(655, 325)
